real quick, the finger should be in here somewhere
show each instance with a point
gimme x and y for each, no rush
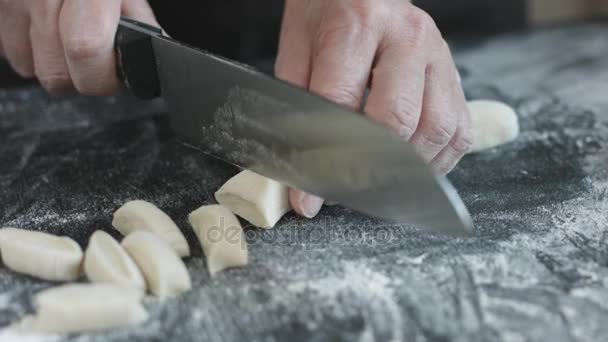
(304, 204)
(397, 89)
(139, 10)
(439, 117)
(460, 144)
(87, 31)
(295, 48)
(293, 65)
(15, 43)
(49, 62)
(340, 66)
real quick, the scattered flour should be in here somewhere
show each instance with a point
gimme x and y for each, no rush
(15, 335)
(364, 284)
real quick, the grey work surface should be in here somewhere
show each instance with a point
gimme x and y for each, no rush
(536, 269)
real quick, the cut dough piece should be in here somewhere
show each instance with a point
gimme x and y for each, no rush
(259, 200)
(105, 261)
(85, 307)
(40, 254)
(221, 237)
(165, 273)
(494, 123)
(141, 215)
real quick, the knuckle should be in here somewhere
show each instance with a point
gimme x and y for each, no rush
(366, 14)
(347, 23)
(82, 48)
(438, 134)
(405, 113)
(463, 143)
(329, 36)
(406, 124)
(343, 95)
(422, 26)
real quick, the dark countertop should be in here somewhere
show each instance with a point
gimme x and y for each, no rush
(536, 269)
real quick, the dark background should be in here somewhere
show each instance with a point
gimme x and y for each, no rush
(248, 30)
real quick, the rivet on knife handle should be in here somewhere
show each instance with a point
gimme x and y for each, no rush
(135, 60)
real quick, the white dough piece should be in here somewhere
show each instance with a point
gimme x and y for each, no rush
(106, 261)
(85, 307)
(142, 215)
(165, 273)
(40, 254)
(221, 237)
(494, 123)
(257, 199)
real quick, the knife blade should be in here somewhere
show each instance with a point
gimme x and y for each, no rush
(244, 117)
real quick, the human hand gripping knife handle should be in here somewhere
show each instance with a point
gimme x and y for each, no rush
(257, 122)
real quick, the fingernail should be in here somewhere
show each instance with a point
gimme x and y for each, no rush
(311, 205)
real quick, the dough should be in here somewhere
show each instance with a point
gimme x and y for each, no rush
(221, 237)
(165, 273)
(494, 124)
(257, 199)
(85, 307)
(105, 261)
(40, 254)
(141, 215)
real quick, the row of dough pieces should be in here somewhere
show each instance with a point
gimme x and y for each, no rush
(149, 255)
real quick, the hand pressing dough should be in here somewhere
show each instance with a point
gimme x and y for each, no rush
(105, 261)
(221, 237)
(85, 307)
(494, 124)
(165, 273)
(141, 215)
(257, 199)
(40, 254)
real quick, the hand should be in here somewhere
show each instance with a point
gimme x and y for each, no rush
(336, 48)
(67, 44)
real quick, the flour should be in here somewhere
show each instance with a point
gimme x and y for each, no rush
(15, 335)
(361, 283)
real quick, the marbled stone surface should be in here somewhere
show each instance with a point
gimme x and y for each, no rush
(536, 269)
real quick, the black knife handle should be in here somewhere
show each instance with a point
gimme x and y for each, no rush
(135, 59)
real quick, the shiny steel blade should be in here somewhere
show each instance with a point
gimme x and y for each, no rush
(257, 122)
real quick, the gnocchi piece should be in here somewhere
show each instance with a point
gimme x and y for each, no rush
(257, 199)
(142, 215)
(165, 273)
(41, 255)
(85, 307)
(494, 123)
(221, 237)
(105, 261)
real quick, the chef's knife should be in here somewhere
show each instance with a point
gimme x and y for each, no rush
(249, 119)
